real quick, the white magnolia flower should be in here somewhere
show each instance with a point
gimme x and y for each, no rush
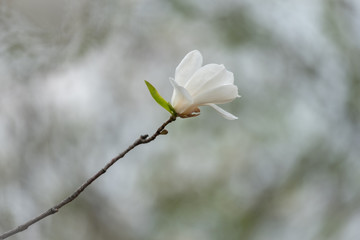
(196, 85)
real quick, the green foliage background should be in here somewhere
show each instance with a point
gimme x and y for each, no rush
(72, 96)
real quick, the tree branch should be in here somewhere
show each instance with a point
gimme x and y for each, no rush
(141, 140)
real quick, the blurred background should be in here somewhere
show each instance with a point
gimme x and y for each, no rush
(72, 96)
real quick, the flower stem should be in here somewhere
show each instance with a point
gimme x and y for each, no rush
(141, 140)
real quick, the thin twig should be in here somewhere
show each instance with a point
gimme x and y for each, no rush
(141, 140)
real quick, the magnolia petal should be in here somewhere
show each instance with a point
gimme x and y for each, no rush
(204, 75)
(181, 99)
(224, 113)
(187, 67)
(221, 79)
(218, 95)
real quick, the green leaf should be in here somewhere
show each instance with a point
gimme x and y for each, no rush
(159, 99)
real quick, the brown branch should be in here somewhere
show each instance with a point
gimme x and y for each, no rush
(141, 140)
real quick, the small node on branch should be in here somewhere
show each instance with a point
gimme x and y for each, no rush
(164, 132)
(54, 210)
(144, 137)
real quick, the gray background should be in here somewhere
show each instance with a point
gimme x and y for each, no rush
(72, 96)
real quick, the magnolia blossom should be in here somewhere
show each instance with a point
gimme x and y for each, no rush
(196, 85)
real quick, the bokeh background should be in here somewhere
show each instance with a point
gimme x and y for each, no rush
(72, 96)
